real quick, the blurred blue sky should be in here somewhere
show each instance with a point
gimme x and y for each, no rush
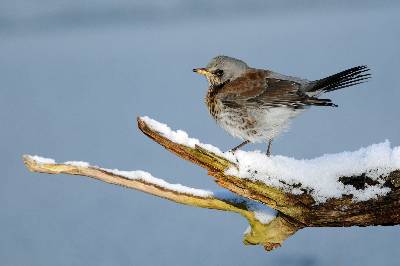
(75, 74)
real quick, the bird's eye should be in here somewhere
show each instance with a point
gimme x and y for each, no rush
(219, 72)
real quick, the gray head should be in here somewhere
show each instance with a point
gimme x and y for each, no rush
(222, 69)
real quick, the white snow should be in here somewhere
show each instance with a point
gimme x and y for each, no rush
(262, 213)
(178, 136)
(319, 176)
(78, 163)
(42, 160)
(148, 178)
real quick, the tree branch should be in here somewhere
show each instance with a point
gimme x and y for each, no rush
(250, 196)
(259, 233)
(217, 165)
(302, 209)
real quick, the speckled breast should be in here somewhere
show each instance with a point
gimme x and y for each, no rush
(234, 120)
(211, 103)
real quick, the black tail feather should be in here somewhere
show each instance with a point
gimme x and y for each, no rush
(346, 78)
(320, 102)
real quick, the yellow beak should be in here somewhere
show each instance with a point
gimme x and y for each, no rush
(202, 71)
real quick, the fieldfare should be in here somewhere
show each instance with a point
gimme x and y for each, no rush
(256, 105)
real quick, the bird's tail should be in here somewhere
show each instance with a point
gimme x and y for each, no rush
(320, 102)
(346, 78)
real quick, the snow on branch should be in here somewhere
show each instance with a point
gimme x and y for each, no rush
(320, 177)
(344, 189)
(259, 216)
(358, 188)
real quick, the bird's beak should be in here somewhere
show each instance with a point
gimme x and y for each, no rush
(202, 71)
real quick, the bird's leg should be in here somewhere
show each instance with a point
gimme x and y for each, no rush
(240, 145)
(269, 147)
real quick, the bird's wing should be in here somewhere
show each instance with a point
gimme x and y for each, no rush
(258, 88)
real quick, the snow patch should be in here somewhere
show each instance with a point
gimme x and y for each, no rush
(320, 176)
(78, 163)
(148, 178)
(262, 213)
(41, 160)
(178, 136)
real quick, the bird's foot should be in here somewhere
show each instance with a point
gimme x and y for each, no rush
(239, 146)
(269, 148)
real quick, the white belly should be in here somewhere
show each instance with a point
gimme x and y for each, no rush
(265, 124)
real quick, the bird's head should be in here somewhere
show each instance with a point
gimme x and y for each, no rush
(222, 69)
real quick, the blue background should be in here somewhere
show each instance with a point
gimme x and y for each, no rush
(74, 75)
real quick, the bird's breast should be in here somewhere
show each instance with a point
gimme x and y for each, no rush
(212, 103)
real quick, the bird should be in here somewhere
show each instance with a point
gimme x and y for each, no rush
(256, 105)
